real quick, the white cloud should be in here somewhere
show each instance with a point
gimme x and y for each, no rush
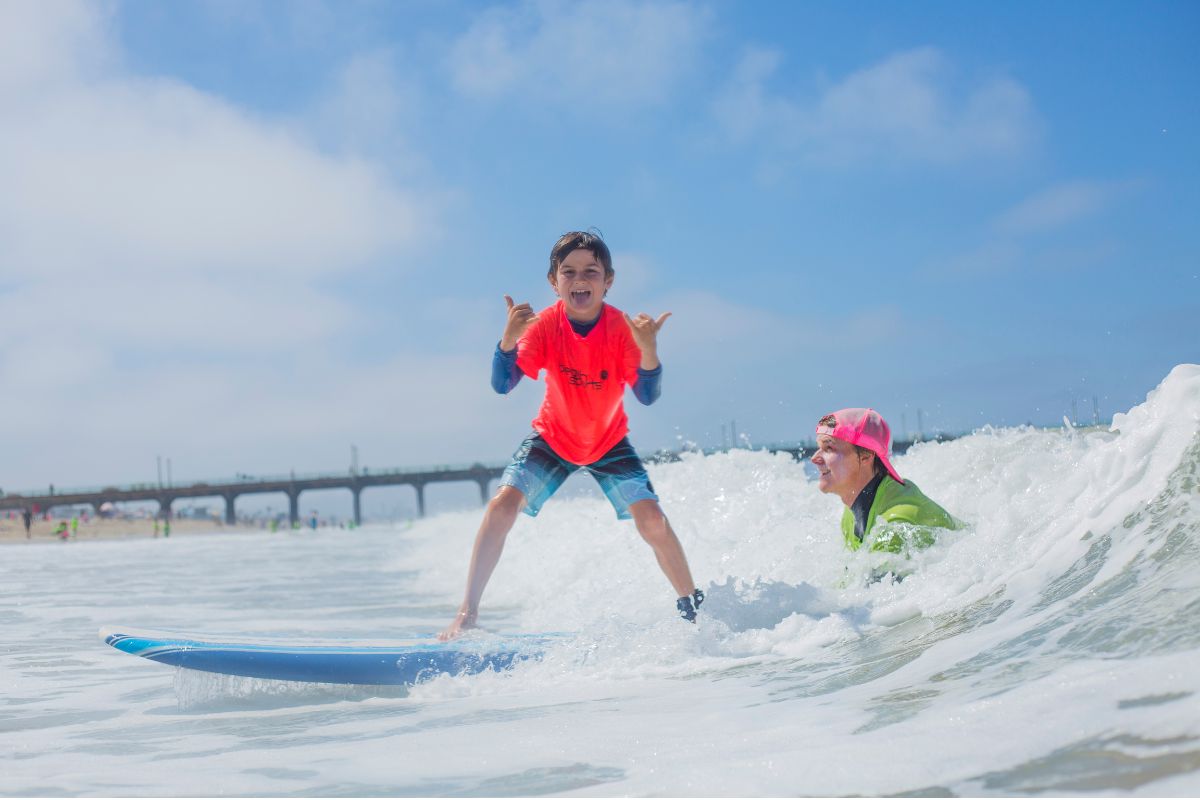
(166, 260)
(370, 105)
(597, 52)
(209, 223)
(771, 369)
(905, 108)
(112, 174)
(217, 419)
(635, 274)
(134, 176)
(170, 316)
(993, 257)
(744, 107)
(1058, 206)
(712, 328)
(1035, 233)
(46, 45)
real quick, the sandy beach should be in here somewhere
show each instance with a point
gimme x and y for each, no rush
(12, 531)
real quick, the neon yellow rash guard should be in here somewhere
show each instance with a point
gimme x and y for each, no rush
(914, 515)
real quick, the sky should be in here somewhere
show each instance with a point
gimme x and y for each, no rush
(245, 237)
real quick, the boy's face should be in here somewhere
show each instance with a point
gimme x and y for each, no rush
(581, 283)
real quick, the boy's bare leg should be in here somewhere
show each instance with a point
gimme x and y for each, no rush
(654, 527)
(498, 520)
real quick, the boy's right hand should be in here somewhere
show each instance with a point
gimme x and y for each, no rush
(520, 317)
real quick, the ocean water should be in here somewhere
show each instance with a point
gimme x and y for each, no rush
(1054, 648)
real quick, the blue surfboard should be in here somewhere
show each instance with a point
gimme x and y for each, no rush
(392, 663)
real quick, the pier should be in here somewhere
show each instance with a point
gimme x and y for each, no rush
(293, 485)
(229, 490)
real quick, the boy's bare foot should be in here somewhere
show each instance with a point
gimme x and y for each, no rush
(463, 622)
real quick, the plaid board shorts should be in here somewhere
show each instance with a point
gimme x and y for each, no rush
(537, 471)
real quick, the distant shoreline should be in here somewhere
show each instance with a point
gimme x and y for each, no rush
(12, 531)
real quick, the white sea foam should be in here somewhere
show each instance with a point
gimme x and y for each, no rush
(1052, 647)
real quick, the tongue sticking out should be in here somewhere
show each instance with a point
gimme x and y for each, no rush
(581, 299)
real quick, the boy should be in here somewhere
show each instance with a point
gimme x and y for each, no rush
(590, 352)
(883, 511)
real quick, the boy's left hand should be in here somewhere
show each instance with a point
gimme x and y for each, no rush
(645, 332)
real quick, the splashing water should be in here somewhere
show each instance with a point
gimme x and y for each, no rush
(1052, 647)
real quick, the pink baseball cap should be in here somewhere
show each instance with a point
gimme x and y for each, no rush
(863, 427)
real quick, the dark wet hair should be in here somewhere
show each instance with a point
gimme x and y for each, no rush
(879, 467)
(580, 240)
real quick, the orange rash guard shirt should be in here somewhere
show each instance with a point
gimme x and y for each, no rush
(583, 414)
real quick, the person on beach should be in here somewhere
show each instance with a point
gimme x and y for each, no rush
(883, 511)
(590, 351)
